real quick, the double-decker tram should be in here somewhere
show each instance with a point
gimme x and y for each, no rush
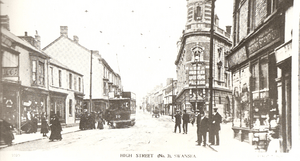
(121, 111)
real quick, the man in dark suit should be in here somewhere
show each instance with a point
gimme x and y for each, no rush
(177, 121)
(202, 127)
(215, 127)
(186, 120)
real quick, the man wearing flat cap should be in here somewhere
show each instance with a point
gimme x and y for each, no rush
(215, 127)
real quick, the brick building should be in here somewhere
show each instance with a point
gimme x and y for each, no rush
(260, 62)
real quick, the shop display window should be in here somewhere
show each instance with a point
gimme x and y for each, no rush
(261, 104)
(241, 98)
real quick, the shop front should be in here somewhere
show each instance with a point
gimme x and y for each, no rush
(34, 103)
(254, 70)
(10, 108)
(58, 105)
(283, 61)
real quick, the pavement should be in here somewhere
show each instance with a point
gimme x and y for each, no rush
(23, 138)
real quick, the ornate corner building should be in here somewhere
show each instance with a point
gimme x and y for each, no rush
(192, 62)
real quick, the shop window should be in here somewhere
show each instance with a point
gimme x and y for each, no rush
(260, 92)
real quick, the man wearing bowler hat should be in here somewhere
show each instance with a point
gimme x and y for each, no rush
(215, 127)
(202, 128)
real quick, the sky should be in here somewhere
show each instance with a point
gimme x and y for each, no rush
(136, 37)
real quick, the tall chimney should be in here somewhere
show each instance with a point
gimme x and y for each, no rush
(64, 31)
(5, 21)
(228, 29)
(75, 39)
(38, 40)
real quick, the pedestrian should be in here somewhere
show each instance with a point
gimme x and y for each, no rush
(100, 122)
(177, 121)
(215, 127)
(44, 125)
(185, 120)
(6, 132)
(34, 122)
(55, 128)
(202, 128)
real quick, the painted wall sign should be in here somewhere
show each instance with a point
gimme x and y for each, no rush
(263, 39)
(10, 72)
(238, 57)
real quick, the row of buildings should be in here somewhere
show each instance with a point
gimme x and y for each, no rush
(64, 78)
(251, 68)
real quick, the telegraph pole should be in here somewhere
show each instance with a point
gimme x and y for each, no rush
(91, 80)
(211, 66)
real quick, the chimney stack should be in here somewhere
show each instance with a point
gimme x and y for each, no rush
(228, 29)
(64, 31)
(38, 40)
(75, 39)
(5, 22)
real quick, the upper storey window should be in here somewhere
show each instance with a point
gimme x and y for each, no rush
(38, 73)
(197, 13)
(250, 14)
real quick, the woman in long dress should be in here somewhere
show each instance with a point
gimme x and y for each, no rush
(44, 125)
(55, 128)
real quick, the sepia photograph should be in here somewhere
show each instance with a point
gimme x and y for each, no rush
(149, 80)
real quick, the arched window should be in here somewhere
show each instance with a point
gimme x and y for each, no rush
(197, 15)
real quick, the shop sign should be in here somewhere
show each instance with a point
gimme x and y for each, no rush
(283, 52)
(263, 39)
(10, 72)
(237, 57)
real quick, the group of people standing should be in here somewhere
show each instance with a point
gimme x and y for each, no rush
(203, 126)
(89, 121)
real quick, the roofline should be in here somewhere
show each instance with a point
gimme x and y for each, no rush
(199, 33)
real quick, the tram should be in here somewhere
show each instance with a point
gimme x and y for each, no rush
(121, 111)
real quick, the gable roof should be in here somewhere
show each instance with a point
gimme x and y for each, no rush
(22, 42)
(60, 37)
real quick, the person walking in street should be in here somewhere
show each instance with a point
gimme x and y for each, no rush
(215, 127)
(55, 128)
(6, 133)
(202, 127)
(44, 125)
(34, 121)
(185, 119)
(177, 121)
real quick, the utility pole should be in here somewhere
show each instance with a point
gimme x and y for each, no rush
(91, 80)
(211, 66)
